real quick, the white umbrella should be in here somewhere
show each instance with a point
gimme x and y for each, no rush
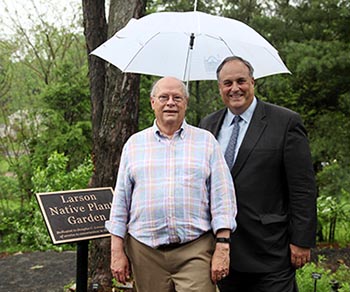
(187, 45)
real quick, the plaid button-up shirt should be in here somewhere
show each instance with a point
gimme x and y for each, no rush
(172, 190)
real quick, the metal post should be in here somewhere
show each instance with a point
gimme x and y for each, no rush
(82, 265)
(335, 285)
(316, 276)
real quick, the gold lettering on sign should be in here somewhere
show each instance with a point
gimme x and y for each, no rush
(86, 219)
(66, 210)
(78, 198)
(99, 207)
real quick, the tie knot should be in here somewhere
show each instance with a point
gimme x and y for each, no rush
(236, 120)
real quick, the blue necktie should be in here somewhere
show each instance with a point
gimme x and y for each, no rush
(231, 147)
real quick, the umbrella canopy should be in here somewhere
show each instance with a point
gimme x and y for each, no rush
(187, 45)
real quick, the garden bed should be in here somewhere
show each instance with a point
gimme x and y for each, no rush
(51, 271)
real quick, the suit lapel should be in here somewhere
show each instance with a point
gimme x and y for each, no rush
(215, 127)
(252, 136)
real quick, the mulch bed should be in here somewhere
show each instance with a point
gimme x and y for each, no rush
(335, 255)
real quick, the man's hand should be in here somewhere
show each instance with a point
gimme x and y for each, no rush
(120, 266)
(299, 255)
(220, 262)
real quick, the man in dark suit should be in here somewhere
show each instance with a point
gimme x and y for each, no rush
(274, 181)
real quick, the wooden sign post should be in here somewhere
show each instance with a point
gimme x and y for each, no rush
(77, 216)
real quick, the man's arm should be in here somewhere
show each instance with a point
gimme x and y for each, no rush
(223, 211)
(301, 186)
(302, 193)
(120, 266)
(221, 258)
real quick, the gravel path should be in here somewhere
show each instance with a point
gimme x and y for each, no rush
(37, 271)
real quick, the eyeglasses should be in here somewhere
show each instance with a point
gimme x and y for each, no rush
(165, 98)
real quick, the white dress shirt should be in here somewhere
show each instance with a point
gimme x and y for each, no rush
(227, 127)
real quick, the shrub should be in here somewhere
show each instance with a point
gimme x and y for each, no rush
(306, 281)
(23, 227)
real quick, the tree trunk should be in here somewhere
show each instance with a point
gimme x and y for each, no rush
(115, 100)
(332, 225)
(95, 30)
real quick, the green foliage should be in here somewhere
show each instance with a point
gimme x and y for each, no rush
(49, 92)
(333, 203)
(22, 227)
(119, 287)
(14, 142)
(342, 277)
(146, 115)
(62, 124)
(306, 282)
(310, 90)
(3, 166)
(311, 63)
(330, 138)
(69, 94)
(54, 177)
(9, 194)
(181, 5)
(204, 99)
(65, 117)
(45, 109)
(5, 75)
(333, 180)
(333, 213)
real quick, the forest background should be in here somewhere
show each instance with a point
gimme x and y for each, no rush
(55, 136)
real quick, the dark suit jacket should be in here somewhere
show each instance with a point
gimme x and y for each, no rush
(275, 189)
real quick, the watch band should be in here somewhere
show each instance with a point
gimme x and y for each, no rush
(223, 239)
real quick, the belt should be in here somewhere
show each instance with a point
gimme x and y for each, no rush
(171, 246)
(174, 245)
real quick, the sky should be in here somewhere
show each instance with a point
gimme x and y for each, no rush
(28, 12)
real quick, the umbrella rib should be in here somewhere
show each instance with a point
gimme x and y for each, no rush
(138, 51)
(227, 46)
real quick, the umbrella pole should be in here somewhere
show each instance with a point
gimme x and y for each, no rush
(195, 5)
(188, 62)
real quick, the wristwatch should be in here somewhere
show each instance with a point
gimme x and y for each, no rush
(223, 239)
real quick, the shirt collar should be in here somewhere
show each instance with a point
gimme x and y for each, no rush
(180, 132)
(246, 116)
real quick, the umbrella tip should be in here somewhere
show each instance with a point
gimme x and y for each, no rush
(195, 5)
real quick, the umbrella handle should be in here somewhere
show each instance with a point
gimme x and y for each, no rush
(189, 54)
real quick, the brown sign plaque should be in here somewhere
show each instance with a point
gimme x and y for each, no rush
(72, 216)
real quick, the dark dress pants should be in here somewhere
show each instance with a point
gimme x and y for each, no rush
(281, 281)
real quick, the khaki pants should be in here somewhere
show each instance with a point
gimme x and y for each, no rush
(183, 269)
